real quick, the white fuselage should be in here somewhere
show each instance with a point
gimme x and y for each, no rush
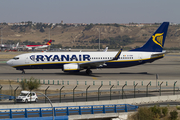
(36, 46)
(53, 60)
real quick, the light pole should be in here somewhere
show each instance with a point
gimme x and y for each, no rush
(45, 92)
(1, 36)
(49, 33)
(99, 39)
(49, 38)
(49, 102)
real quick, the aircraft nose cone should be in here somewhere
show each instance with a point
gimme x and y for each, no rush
(9, 62)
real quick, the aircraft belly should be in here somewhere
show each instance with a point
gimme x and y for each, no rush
(40, 66)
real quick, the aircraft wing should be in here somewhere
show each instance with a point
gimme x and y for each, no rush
(95, 64)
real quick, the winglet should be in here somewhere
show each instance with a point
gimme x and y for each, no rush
(105, 50)
(117, 55)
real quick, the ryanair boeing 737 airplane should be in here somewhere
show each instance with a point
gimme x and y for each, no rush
(76, 61)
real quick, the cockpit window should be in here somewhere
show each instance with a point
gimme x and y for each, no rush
(16, 58)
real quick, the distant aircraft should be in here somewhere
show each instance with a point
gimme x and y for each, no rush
(15, 47)
(30, 47)
(76, 61)
(3, 46)
(10, 47)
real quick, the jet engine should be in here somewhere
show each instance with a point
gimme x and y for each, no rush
(72, 67)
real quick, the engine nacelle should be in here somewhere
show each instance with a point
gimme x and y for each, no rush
(72, 67)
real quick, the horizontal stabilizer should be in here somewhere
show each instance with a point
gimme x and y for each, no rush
(158, 54)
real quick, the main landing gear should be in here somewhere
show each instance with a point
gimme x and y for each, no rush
(88, 71)
(23, 72)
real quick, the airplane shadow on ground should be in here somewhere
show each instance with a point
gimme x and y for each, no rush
(143, 73)
(102, 74)
(80, 74)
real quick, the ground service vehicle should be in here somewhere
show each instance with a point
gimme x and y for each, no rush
(27, 96)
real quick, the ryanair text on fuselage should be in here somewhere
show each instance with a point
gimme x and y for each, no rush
(84, 57)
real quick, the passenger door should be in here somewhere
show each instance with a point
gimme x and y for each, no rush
(140, 57)
(33, 97)
(27, 60)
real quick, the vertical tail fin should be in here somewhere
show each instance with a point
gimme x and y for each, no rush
(17, 45)
(156, 41)
(49, 42)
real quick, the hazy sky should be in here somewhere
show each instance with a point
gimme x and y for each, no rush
(90, 11)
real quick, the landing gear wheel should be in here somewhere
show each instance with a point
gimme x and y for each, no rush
(23, 72)
(88, 71)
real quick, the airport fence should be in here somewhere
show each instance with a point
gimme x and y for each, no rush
(98, 90)
(103, 82)
(64, 111)
(3, 96)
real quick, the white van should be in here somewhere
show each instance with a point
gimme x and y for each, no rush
(27, 96)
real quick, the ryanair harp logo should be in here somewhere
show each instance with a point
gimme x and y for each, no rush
(158, 38)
